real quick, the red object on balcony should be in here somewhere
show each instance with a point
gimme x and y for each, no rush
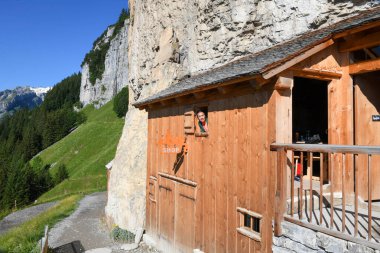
(299, 168)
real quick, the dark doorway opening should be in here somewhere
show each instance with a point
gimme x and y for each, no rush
(310, 111)
(310, 119)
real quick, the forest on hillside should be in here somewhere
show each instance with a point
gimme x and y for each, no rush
(25, 133)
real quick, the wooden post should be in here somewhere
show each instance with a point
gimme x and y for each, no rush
(343, 192)
(331, 190)
(369, 199)
(321, 189)
(301, 189)
(311, 187)
(45, 241)
(356, 194)
(281, 187)
(292, 185)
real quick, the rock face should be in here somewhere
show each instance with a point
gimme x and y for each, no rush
(115, 76)
(170, 41)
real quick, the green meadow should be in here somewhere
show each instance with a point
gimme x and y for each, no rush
(84, 152)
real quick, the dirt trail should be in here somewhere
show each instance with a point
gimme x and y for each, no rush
(85, 230)
(17, 218)
(84, 225)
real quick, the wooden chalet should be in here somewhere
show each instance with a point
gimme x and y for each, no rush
(294, 135)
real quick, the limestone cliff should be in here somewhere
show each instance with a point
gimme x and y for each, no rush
(115, 75)
(169, 41)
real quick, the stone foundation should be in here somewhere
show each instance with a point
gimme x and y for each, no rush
(299, 239)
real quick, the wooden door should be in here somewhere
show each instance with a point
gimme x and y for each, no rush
(184, 218)
(176, 204)
(367, 131)
(166, 212)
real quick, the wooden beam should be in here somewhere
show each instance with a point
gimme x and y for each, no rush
(367, 41)
(251, 213)
(178, 179)
(370, 54)
(364, 67)
(251, 234)
(272, 72)
(166, 102)
(181, 99)
(254, 84)
(284, 83)
(199, 95)
(222, 90)
(316, 74)
(327, 148)
(356, 30)
(144, 107)
(154, 106)
(258, 82)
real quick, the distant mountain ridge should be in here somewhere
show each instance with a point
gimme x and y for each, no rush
(21, 97)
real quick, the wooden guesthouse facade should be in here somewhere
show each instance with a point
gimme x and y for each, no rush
(292, 130)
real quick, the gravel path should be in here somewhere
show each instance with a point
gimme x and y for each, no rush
(85, 229)
(19, 217)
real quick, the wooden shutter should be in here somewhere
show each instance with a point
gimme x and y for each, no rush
(189, 121)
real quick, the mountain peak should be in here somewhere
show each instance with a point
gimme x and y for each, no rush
(41, 91)
(21, 97)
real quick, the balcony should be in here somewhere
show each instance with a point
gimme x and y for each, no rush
(342, 201)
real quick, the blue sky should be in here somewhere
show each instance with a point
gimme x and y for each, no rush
(44, 41)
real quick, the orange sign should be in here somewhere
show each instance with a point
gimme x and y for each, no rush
(172, 144)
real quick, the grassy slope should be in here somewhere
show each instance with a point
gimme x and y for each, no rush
(25, 237)
(85, 152)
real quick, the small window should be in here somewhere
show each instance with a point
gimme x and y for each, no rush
(249, 223)
(201, 121)
(365, 54)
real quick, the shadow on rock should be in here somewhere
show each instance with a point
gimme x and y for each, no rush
(72, 247)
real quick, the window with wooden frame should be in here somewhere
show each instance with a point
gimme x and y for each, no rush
(192, 124)
(249, 223)
(201, 120)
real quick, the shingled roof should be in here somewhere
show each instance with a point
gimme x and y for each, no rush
(257, 63)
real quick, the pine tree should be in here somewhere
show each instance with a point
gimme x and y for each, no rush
(62, 174)
(120, 102)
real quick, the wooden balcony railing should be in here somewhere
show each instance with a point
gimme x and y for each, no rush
(332, 205)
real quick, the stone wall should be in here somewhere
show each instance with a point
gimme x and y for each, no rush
(115, 76)
(299, 239)
(171, 40)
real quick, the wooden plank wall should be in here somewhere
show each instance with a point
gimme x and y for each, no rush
(367, 103)
(231, 168)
